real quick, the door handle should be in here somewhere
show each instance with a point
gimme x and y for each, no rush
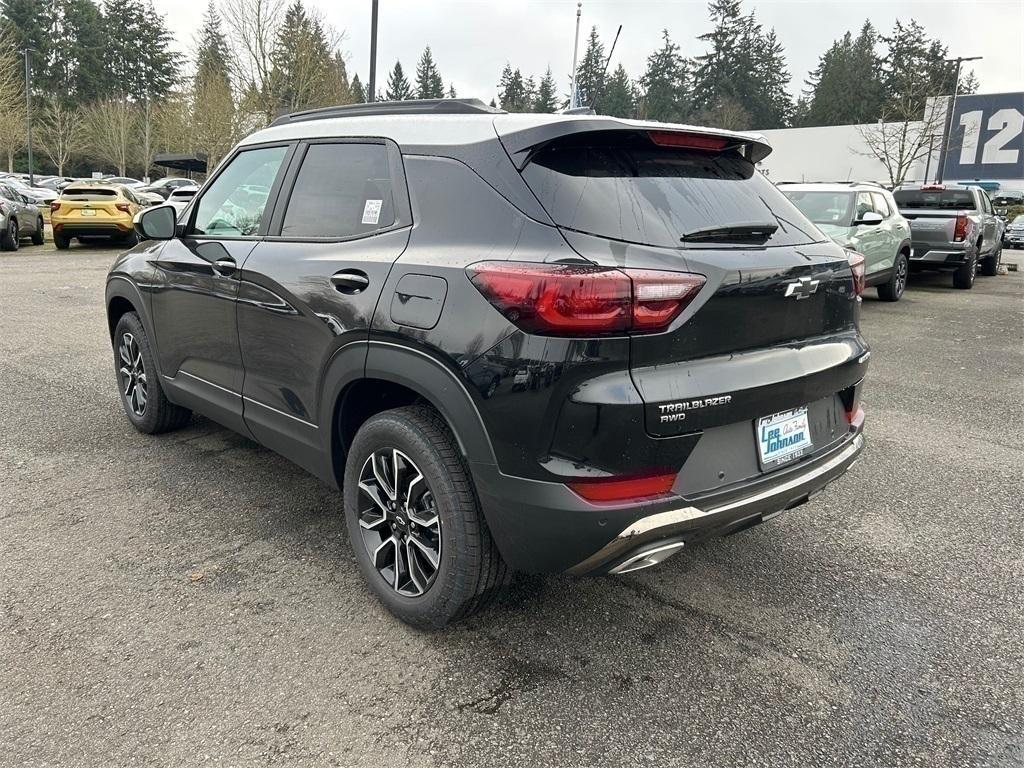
(350, 281)
(225, 266)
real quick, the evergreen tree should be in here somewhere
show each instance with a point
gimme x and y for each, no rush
(138, 63)
(618, 99)
(28, 23)
(398, 87)
(846, 87)
(590, 72)
(212, 50)
(914, 66)
(75, 73)
(451, 91)
(514, 92)
(358, 92)
(546, 98)
(664, 87)
(771, 104)
(429, 84)
(715, 72)
(304, 71)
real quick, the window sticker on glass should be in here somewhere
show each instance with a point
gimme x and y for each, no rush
(371, 211)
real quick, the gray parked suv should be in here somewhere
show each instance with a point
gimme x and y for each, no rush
(19, 217)
(953, 227)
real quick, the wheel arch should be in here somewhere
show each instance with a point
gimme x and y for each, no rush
(364, 379)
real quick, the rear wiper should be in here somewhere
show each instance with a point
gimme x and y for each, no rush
(753, 231)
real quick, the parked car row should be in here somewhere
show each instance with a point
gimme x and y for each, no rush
(916, 227)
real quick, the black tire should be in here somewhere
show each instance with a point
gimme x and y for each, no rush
(964, 275)
(157, 414)
(470, 572)
(990, 266)
(10, 238)
(38, 236)
(892, 290)
(61, 241)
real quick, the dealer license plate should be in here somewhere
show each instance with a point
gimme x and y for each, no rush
(88, 212)
(783, 437)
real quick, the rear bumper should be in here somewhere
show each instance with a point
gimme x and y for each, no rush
(545, 527)
(98, 229)
(947, 254)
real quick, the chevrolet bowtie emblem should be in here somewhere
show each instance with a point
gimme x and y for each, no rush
(802, 288)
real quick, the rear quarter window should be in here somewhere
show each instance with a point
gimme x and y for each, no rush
(623, 187)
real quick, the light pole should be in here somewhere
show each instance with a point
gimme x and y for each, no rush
(372, 94)
(28, 115)
(948, 127)
(575, 52)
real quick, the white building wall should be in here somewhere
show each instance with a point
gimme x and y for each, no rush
(826, 153)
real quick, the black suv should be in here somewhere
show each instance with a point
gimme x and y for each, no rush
(547, 343)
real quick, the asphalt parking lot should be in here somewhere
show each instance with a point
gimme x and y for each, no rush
(192, 599)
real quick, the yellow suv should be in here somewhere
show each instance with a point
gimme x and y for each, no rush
(94, 211)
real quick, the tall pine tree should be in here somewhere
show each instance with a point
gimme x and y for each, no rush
(358, 92)
(304, 70)
(618, 99)
(664, 87)
(545, 99)
(398, 87)
(212, 50)
(514, 92)
(429, 84)
(846, 87)
(590, 72)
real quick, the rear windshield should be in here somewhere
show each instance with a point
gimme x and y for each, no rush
(623, 187)
(88, 193)
(943, 199)
(824, 207)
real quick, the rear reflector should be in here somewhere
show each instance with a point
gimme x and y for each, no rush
(584, 300)
(688, 140)
(857, 267)
(960, 228)
(623, 490)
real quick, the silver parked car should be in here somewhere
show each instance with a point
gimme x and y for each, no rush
(181, 197)
(19, 217)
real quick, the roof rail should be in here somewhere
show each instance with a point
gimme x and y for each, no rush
(407, 107)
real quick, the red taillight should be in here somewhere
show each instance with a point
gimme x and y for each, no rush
(54, 207)
(583, 300)
(933, 187)
(688, 140)
(960, 229)
(124, 207)
(857, 267)
(622, 490)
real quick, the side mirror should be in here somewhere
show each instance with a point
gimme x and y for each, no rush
(156, 223)
(870, 218)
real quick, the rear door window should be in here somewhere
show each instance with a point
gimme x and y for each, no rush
(881, 206)
(621, 186)
(342, 190)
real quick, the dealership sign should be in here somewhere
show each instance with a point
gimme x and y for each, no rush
(986, 139)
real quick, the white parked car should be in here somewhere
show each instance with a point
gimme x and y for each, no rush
(181, 197)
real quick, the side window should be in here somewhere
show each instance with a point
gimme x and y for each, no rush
(233, 205)
(864, 204)
(986, 204)
(880, 204)
(341, 190)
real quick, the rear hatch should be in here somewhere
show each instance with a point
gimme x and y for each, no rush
(774, 326)
(932, 214)
(92, 205)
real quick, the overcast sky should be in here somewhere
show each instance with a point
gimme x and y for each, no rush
(473, 39)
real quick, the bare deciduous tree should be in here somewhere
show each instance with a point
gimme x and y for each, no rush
(900, 139)
(12, 98)
(60, 133)
(253, 27)
(110, 128)
(217, 124)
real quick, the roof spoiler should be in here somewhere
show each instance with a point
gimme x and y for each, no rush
(522, 145)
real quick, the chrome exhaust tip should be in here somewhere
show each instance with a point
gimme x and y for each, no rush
(645, 558)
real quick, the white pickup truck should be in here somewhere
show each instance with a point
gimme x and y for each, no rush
(952, 227)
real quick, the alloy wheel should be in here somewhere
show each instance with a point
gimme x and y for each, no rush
(901, 276)
(133, 374)
(399, 522)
